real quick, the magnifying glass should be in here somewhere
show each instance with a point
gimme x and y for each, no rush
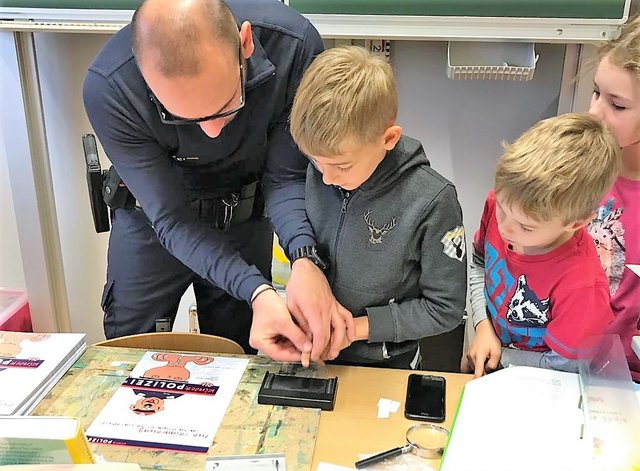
(424, 440)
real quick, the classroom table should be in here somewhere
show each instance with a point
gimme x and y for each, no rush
(353, 428)
(307, 436)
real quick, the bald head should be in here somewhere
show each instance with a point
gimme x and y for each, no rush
(174, 36)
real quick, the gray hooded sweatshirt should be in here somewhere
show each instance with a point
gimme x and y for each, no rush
(397, 253)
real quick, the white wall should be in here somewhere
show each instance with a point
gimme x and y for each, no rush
(462, 123)
(587, 71)
(62, 63)
(11, 271)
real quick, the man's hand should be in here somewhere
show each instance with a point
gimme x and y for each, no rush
(316, 310)
(273, 331)
(484, 354)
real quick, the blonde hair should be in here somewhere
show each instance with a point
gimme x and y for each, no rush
(560, 167)
(346, 94)
(624, 51)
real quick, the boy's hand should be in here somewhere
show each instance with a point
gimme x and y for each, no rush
(485, 351)
(343, 331)
(337, 344)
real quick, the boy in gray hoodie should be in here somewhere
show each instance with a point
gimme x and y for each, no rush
(389, 225)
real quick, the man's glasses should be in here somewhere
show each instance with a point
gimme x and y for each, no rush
(168, 118)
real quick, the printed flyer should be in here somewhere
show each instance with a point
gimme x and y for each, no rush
(170, 401)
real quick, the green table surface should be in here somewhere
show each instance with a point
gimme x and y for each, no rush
(247, 427)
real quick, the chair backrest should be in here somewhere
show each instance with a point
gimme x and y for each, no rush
(179, 341)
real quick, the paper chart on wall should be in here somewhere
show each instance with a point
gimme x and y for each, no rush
(170, 401)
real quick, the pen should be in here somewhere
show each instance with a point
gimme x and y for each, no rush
(603, 366)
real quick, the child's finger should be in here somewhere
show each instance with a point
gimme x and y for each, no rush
(479, 368)
(349, 322)
(494, 359)
(463, 364)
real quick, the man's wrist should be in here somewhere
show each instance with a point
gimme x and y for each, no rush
(313, 253)
(304, 261)
(260, 290)
(304, 265)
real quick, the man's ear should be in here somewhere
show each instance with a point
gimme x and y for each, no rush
(391, 136)
(574, 226)
(246, 40)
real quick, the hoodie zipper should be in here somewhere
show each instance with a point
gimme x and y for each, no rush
(346, 196)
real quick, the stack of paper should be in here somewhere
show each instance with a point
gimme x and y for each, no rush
(31, 364)
(74, 467)
(519, 418)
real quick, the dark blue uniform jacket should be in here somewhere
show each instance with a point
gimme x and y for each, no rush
(166, 166)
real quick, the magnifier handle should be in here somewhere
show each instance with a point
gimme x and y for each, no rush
(382, 456)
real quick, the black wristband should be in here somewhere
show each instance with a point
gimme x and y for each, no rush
(266, 288)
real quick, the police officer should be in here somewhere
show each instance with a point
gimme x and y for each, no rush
(190, 102)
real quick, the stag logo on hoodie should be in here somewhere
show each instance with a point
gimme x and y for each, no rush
(376, 233)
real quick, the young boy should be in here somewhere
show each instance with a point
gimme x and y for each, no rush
(391, 226)
(538, 291)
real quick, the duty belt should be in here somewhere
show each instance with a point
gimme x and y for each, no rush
(231, 209)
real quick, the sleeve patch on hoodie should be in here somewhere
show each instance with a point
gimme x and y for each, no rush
(454, 245)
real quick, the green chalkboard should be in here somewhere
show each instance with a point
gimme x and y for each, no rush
(73, 4)
(587, 9)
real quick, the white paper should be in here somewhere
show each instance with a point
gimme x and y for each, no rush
(386, 407)
(383, 408)
(47, 386)
(332, 467)
(246, 463)
(634, 268)
(635, 345)
(519, 417)
(28, 362)
(170, 401)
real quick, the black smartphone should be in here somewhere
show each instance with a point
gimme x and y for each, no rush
(425, 398)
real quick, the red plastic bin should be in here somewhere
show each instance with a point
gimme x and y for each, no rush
(14, 311)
